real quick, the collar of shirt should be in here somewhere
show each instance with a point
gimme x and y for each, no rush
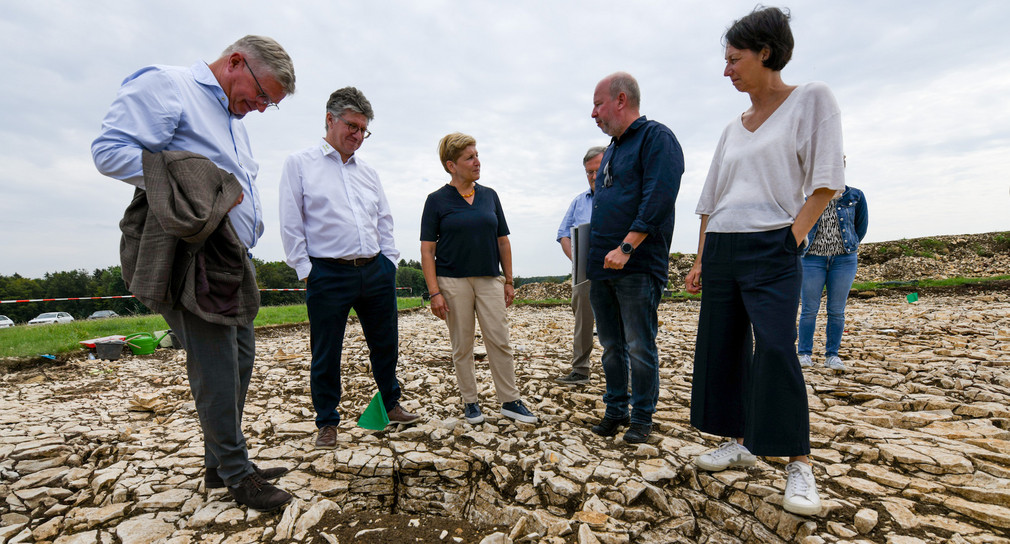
(202, 75)
(326, 149)
(632, 128)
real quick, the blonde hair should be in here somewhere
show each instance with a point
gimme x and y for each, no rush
(451, 146)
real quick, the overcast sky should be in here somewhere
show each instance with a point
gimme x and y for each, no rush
(923, 87)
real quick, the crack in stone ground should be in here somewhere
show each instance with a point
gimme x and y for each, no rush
(912, 444)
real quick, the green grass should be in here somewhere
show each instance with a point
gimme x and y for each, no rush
(949, 282)
(25, 341)
(676, 295)
(544, 302)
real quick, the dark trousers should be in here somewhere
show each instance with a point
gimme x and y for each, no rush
(333, 290)
(747, 378)
(219, 363)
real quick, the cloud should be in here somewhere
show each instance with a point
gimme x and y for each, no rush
(920, 85)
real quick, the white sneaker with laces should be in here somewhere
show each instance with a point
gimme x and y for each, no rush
(806, 361)
(729, 454)
(834, 363)
(801, 491)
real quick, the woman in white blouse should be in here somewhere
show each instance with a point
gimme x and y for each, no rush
(748, 386)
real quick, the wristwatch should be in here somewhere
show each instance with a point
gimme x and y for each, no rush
(627, 248)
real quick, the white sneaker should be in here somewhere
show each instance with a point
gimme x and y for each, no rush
(801, 491)
(729, 454)
(805, 361)
(834, 363)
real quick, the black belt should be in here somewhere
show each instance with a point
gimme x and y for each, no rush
(361, 261)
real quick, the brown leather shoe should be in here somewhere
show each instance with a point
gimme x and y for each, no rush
(399, 415)
(253, 491)
(327, 439)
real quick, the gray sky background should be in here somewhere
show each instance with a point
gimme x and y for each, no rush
(923, 87)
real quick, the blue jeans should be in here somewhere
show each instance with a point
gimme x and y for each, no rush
(836, 273)
(627, 322)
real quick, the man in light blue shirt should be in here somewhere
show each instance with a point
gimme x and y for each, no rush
(580, 212)
(199, 109)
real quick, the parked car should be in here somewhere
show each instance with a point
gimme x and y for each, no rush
(52, 317)
(102, 314)
(5, 322)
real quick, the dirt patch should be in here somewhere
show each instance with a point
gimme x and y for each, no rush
(377, 528)
(19, 364)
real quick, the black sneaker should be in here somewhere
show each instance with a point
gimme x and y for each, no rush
(573, 379)
(472, 413)
(518, 411)
(256, 493)
(638, 433)
(211, 479)
(608, 426)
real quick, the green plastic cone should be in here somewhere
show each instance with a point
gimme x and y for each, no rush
(374, 417)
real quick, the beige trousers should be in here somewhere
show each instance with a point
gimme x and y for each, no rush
(485, 297)
(582, 348)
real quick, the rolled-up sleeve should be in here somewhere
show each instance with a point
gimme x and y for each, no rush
(144, 115)
(565, 229)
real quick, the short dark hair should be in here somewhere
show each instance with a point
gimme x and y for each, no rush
(349, 98)
(764, 27)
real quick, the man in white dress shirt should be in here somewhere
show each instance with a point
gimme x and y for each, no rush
(337, 232)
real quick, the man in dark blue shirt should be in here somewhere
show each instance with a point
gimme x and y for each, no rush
(631, 232)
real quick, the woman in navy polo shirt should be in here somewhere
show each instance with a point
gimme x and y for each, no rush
(464, 239)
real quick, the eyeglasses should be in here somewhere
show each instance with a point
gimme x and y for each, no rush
(263, 97)
(355, 128)
(591, 173)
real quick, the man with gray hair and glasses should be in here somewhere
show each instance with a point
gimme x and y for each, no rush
(160, 112)
(337, 232)
(579, 212)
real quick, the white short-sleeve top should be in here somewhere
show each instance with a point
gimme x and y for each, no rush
(759, 180)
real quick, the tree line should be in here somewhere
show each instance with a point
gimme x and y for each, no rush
(109, 282)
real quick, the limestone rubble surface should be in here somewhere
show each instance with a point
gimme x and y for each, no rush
(911, 443)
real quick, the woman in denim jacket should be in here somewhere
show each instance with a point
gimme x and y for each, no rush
(830, 261)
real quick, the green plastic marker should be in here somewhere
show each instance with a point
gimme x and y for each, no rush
(375, 417)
